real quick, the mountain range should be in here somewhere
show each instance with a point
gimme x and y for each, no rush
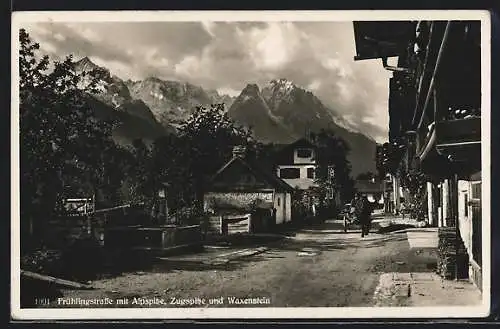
(279, 112)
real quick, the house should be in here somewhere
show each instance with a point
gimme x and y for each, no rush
(241, 185)
(435, 124)
(296, 164)
(373, 189)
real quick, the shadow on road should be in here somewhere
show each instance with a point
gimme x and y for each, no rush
(393, 228)
(164, 266)
(406, 261)
(299, 245)
(309, 241)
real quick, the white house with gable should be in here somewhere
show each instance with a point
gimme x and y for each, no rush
(296, 164)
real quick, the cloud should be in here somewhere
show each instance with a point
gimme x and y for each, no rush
(49, 48)
(189, 66)
(228, 91)
(85, 32)
(314, 85)
(209, 27)
(336, 65)
(272, 47)
(59, 37)
(78, 40)
(153, 57)
(225, 56)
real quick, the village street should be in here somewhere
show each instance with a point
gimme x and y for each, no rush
(317, 266)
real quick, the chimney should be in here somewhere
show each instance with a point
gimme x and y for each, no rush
(239, 151)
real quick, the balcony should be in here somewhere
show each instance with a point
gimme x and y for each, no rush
(448, 119)
(453, 140)
(460, 139)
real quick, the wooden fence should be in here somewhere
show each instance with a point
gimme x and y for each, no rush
(156, 238)
(229, 224)
(236, 224)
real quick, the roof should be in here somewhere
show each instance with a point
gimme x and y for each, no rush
(284, 154)
(300, 183)
(382, 39)
(253, 167)
(302, 142)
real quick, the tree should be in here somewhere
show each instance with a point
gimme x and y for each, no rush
(210, 136)
(61, 141)
(332, 153)
(388, 157)
(174, 165)
(185, 162)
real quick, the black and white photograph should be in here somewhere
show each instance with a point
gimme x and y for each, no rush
(250, 164)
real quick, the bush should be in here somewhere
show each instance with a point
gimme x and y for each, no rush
(80, 261)
(192, 215)
(83, 259)
(44, 262)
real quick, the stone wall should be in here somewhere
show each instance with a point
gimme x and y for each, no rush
(240, 200)
(153, 237)
(449, 262)
(62, 231)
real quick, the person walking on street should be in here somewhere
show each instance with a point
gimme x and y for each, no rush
(363, 212)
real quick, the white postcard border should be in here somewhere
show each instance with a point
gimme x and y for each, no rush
(20, 18)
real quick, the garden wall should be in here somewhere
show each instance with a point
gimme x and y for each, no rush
(161, 237)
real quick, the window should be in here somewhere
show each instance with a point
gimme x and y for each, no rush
(310, 172)
(289, 173)
(279, 201)
(304, 153)
(476, 190)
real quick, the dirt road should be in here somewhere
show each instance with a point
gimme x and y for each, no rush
(320, 266)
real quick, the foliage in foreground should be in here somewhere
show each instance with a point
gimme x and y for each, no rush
(62, 144)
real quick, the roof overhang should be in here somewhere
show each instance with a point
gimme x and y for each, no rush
(382, 39)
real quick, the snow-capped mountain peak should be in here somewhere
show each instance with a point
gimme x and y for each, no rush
(282, 112)
(283, 84)
(86, 65)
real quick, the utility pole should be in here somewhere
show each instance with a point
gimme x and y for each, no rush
(395, 187)
(454, 204)
(384, 195)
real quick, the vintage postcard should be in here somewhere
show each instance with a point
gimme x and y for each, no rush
(250, 165)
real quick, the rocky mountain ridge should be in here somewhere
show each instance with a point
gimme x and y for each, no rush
(279, 112)
(282, 112)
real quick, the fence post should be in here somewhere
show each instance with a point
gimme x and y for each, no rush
(89, 224)
(221, 223)
(249, 218)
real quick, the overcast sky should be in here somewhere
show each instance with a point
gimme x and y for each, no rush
(226, 56)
